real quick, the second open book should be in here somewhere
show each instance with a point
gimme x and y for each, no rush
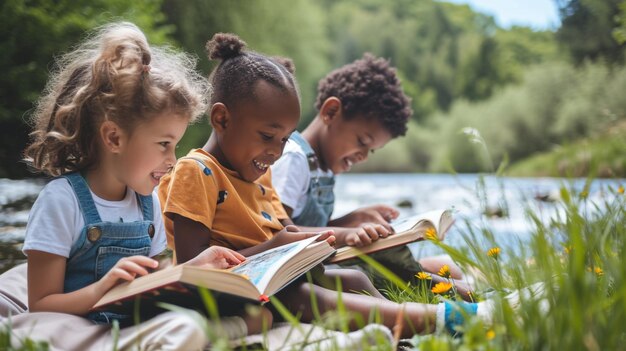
(407, 230)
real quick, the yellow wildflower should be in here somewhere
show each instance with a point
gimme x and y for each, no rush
(441, 288)
(599, 271)
(431, 234)
(494, 252)
(620, 190)
(423, 276)
(490, 334)
(444, 271)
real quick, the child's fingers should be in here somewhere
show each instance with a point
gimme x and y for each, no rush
(382, 231)
(331, 240)
(323, 235)
(239, 256)
(364, 237)
(233, 257)
(132, 267)
(353, 240)
(291, 228)
(143, 261)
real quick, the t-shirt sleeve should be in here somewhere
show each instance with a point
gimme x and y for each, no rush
(290, 177)
(52, 220)
(191, 192)
(159, 241)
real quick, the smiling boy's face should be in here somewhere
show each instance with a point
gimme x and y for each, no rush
(348, 142)
(251, 136)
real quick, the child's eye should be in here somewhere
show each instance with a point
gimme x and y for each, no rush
(164, 143)
(266, 137)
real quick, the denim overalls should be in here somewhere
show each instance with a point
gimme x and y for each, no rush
(320, 196)
(318, 209)
(101, 244)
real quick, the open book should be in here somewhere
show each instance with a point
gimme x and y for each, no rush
(257, 278)
(407, 230)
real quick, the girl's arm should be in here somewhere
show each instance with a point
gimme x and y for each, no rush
(46, 275)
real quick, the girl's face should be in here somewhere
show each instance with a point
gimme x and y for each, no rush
(251, 135)
(148, 152)
(348, 142)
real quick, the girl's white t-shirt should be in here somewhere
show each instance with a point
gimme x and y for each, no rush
(291, 177)
(55, 220)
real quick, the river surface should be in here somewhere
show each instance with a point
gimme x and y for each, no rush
(499, 205)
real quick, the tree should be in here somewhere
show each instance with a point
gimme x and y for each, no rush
(587, 30)
(33, 32)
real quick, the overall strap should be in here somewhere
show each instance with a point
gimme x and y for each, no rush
(147, 209)
(308, 151)
(83, 194)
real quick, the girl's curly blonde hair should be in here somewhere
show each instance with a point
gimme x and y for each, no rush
(113, 75)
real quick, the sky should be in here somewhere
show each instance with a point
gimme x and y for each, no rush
(537, 14)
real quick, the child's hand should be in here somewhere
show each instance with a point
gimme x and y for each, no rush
(365, 234)
(126, 269)
(217, 257)
(291, 234)
(377, 214)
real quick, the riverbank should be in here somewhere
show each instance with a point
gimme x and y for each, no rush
(603, 155)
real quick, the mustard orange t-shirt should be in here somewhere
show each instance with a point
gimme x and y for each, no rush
(239, 214)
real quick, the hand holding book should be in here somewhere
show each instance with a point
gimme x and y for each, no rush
(217, 257)
(405, 230)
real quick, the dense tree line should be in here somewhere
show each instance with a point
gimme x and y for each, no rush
(447, 54)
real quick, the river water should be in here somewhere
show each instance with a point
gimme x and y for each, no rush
(479, 203)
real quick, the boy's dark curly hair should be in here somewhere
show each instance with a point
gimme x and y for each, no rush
(368, 87)
(235, 77)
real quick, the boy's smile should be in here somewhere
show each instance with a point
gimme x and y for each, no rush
(250, 136)
(348, 142)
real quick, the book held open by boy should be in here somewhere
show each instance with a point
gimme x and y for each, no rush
(406, 230)
(257, 278)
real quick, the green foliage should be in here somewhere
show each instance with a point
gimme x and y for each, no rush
(602, 155)
(588, 28)
(452, 52)
(33, 32)
(276, 28)
(7, 341)
(620, 32)
(554, 105)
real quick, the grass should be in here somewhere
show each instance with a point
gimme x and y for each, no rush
(579, 255)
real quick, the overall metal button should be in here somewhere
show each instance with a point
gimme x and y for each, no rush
(151, 230)
(94, 233)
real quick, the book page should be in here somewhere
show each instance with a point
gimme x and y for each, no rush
(406, 223)
(261, 267)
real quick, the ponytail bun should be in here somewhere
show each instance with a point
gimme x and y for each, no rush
(224, 46)
(286, 62)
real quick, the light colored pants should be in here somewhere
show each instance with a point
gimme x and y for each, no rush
(167, 331)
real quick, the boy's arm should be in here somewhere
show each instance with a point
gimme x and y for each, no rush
(378, 214)
(358, 236)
